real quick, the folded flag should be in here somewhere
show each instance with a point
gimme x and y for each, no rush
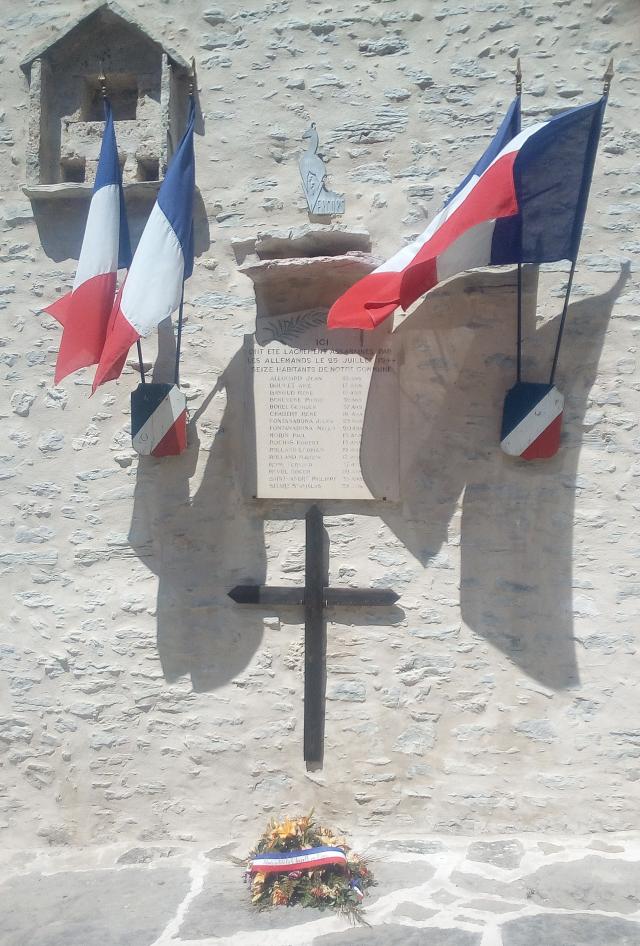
(152, 290)
(85, 311)
(532, 421)
(277, 862)
(158, 420)
(524, 201)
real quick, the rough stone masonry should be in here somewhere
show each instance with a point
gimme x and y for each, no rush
(138, 703)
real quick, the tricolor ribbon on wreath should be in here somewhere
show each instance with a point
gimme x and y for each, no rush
(284, 862)
(524, 201)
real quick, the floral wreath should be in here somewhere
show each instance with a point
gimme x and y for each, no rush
(297, 861)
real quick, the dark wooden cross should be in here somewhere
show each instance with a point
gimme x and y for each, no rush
(315, 595)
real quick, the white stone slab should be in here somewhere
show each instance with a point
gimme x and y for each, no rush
(325, 406)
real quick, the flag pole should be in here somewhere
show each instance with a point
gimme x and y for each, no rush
(606, 85)
(192, 86)
(519, 310)
(102, 79)
(176, 379)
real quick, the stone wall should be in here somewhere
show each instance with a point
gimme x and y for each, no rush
(137, 701)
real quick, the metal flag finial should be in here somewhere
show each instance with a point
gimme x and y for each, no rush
(518, 77)
(192, 76)
(607, 77)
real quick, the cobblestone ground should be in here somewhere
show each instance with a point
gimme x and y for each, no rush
(527, 891)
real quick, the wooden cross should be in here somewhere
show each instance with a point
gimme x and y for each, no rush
(315, 595)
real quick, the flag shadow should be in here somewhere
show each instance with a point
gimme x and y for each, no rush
(192, 527)
(514, 519)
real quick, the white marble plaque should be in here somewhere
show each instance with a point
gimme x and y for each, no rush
(325, 406)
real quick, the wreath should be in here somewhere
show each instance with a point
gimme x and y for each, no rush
(297, 861)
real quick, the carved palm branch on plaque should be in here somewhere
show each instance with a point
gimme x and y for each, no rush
(287, 328)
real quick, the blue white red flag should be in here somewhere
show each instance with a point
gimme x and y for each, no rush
(532, 421)
(84, 312)
(524, 201)
(275, 862)
(152, 290)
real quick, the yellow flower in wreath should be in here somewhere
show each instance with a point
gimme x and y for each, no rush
(279, 897)
(284, 831)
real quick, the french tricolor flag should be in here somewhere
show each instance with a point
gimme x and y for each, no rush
(84, 312)
(153, 288)
(523, 202)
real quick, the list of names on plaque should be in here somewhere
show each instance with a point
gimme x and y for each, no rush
(309, 404)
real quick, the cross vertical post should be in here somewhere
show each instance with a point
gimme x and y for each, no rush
(315, 637)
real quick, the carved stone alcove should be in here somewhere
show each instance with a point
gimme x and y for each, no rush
(147, 86)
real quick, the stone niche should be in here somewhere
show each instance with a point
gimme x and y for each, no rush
(147, 87)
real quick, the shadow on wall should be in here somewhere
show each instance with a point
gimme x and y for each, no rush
(457, 356)
(516, 517)
(200, 547)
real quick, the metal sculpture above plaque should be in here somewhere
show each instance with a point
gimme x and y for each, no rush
(320, 201)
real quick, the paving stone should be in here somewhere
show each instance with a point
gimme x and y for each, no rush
(507, 854)
(577, 930)
(144, 855)
(479, 884)
(396, 875)
(548, 848)
(443, 896)
(127, 907)
(592, 883)
(413, 911)
(391, 935)
(492, 906)
(222, 908)
(409, 847)
(607, 848)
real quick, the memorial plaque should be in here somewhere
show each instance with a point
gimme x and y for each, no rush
(326, 410)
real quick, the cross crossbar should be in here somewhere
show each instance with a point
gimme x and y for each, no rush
(347, 597)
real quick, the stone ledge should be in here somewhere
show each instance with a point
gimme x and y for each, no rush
(292, 285)
(71, 191)
(308, 240)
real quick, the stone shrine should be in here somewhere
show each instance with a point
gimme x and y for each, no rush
(65, 108)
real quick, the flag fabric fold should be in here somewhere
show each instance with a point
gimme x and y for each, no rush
(84, 312)
(524, 201)
(163, 259)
